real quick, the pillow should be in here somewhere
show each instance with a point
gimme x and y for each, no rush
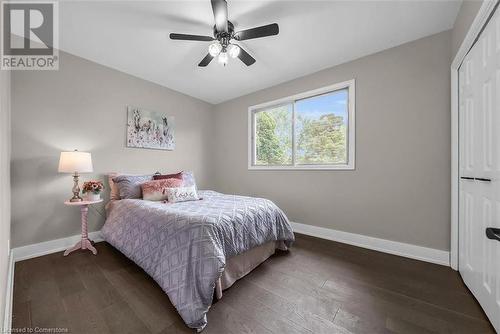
(182, 194)
(168, 176)
(129, 186)
(188, 179)
(114, 194)
(156, 190)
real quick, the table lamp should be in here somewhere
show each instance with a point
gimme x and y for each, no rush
(75, 162)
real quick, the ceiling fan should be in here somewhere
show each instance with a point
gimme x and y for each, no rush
(223, 45)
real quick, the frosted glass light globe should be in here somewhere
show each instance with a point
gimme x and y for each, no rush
(223, 58)
(214, 49)
(233, 50)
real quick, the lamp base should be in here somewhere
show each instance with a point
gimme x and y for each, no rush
(76, 189)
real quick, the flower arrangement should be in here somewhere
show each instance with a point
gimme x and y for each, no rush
(94, 187)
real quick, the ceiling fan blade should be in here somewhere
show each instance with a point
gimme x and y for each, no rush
(185, 37)
(219, 8)
(208, 58)
(245, 57)
(263, 31)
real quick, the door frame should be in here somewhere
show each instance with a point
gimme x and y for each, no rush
(484, 13)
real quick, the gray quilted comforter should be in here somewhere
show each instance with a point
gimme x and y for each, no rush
(184, 246)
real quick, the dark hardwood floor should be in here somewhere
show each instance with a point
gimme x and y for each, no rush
(318, 287)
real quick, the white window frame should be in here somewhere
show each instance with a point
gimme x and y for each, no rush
(351, 128)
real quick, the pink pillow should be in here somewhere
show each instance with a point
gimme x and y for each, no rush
(156, 190)
(114, 192)
(168, 176)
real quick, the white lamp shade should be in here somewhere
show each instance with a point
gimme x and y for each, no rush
(71, 162)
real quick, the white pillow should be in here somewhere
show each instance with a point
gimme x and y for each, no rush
(182, 194)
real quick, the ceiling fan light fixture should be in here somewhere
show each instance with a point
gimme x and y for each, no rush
(233, 50)
(223, 58)
(214, 49)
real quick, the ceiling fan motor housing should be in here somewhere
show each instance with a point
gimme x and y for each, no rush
(224, 37)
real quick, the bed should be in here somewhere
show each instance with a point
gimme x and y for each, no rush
(197, 248)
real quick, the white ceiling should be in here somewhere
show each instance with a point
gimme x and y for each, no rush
(132, 37)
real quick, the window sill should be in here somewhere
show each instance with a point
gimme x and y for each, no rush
(304, 168)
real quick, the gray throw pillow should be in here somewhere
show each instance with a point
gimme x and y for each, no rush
(129, 186)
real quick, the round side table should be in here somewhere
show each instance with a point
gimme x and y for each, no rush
(85, 243)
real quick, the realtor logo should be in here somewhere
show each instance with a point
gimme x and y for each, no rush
(30, 36)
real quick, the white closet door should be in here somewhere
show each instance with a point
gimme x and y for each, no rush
(479, 108)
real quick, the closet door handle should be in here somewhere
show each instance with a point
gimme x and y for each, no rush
(475, 178)
(493, 233)
(483, 179)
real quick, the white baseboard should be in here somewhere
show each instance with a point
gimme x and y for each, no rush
(382, 245)
(49, 247)
(9, 294)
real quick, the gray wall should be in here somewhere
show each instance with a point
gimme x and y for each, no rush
(83, 106)
(465, 16)
(400, 189)
(4, 186)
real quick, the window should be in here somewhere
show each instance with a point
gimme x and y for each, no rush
(312, 130)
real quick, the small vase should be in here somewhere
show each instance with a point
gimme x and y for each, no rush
(91, 197)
